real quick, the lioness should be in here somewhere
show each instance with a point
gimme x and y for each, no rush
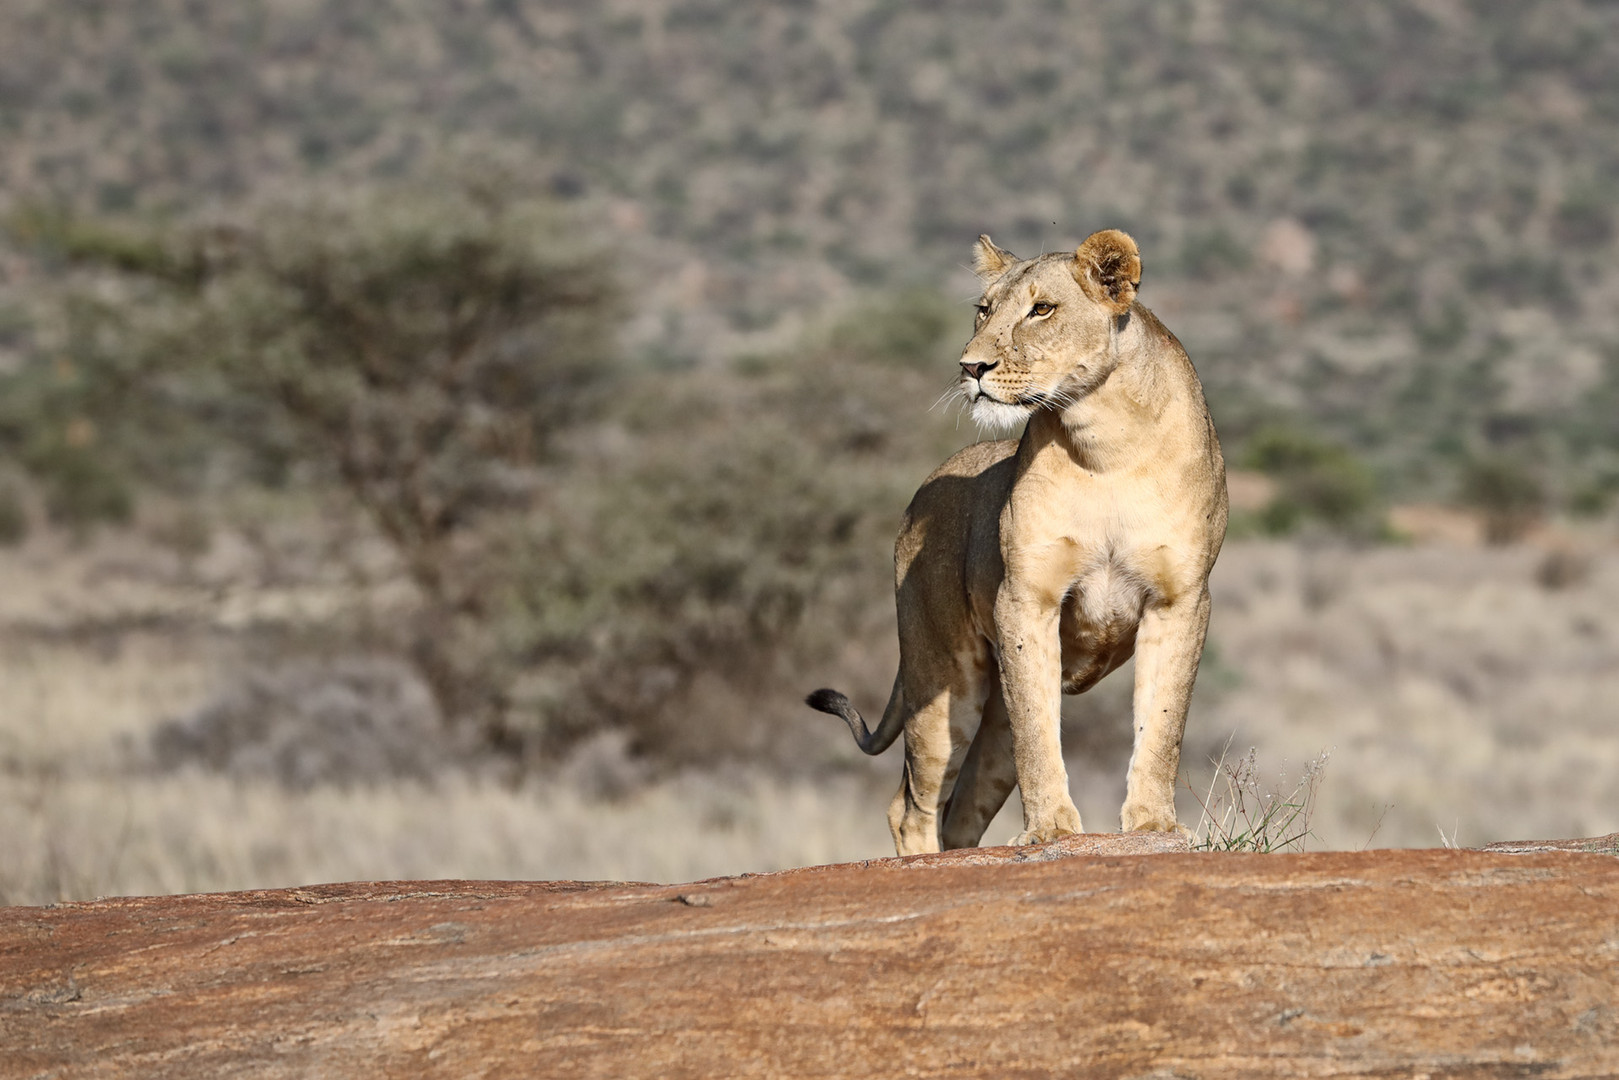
(1031, 568)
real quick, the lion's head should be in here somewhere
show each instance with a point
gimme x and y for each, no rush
(1046, 327)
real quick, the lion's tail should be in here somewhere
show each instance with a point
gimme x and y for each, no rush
(872, 742)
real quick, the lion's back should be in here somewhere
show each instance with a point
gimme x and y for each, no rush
(956, 509)
(974, 460)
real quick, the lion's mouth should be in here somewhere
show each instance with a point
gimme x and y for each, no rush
(990, 408)
(976, 391)
(1028, 399)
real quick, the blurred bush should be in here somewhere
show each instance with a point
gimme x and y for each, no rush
(1317, 482)
(348, 721)
(1405, 183)
(1208, 253)
(902, 327)
(13, 515)
(590, 544)
(416, 348)
(744, 527)
(1507, 492)
(68, 415)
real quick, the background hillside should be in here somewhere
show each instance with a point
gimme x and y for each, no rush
(1397, 218)
(1387, 233)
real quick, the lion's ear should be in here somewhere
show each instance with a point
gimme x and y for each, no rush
(989, 261)
(1108, 267)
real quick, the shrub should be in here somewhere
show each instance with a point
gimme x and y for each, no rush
(422, 355)
(13, 515)
(69, 415)
(685, 572)
(1507, 492)
(349, 721)
(905, 327)
(419, 349)
(81, 488)
(1316, 481)
(1209, 253)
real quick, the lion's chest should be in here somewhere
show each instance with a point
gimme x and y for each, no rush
(1105, 553)
(1100, 613)
(1100, 547)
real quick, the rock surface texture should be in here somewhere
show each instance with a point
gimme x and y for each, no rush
(1089, 957)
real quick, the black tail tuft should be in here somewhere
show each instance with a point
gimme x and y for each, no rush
(830, 701)
(870, 742)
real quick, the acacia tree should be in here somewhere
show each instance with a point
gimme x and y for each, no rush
(421, 349)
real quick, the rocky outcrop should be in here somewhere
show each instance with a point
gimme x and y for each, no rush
(1073, 959)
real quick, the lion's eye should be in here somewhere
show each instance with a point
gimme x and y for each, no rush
(983, 312)
(1042, 309)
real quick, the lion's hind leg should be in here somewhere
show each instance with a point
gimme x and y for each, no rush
(937, 735)
(987, 777)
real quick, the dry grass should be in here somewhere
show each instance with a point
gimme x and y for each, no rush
(1457, 691)
(106, 643)
(1240, 814)
(90, 835)
(1454, 688)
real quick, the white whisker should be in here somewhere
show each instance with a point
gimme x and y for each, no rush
(953, 391)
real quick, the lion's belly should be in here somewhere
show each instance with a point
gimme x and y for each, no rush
(1098, 624)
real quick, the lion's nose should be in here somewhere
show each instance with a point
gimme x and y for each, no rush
(976, 370)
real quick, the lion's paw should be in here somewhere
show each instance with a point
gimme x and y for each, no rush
(1137, 819)
(1065, 823)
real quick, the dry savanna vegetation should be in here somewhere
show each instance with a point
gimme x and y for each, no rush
(447, 440)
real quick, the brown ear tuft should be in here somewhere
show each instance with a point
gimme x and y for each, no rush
(1108, 267)
(989, 261)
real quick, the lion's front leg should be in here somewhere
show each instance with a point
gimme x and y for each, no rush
(1169, 644)
(1031, 682)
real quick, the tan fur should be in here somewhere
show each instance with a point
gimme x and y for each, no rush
(1028, 569)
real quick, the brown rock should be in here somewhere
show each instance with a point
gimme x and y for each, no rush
(998, 962)
(1600, 845)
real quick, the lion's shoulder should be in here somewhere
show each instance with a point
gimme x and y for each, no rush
(975, 459)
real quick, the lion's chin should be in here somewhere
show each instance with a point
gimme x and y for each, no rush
(997, 417)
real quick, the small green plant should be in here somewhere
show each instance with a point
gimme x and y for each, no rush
(1242, 817)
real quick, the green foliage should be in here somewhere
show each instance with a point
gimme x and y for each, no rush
(69, 417)
(1208, 253)
(904, 327)
(745, 506)
(756, 170)
(13, 515)
(1585, 219)
(1594, 497)
(73, 238)
(1508, 493)
(790, 167)
(1316, 482)
(80, 489)
(418, 349)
